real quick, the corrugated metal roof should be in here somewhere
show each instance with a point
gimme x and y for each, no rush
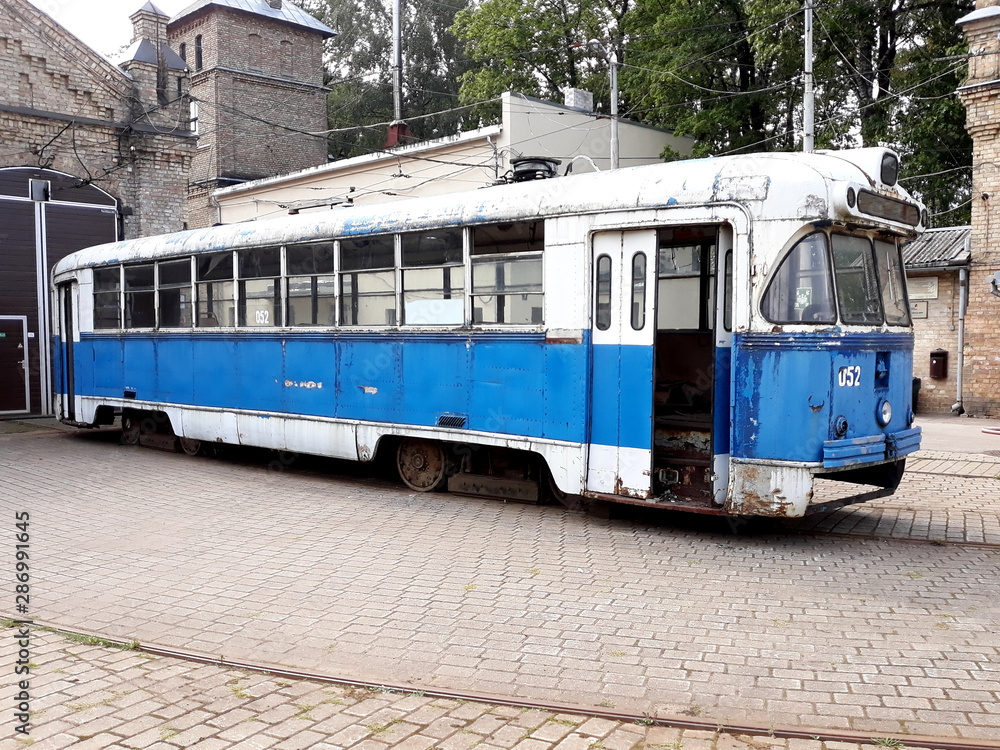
(947, 246)
(287, 13)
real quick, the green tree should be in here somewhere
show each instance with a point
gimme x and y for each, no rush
(537, 48)
(360, 71)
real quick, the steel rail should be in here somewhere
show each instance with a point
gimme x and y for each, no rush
(676, 721)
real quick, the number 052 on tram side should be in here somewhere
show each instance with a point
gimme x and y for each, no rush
(709, 335)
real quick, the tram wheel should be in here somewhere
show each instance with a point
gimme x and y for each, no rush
(421, 464)
(131, 428)
(190, 446)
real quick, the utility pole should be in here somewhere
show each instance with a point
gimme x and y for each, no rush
(808, 112)
(612, 60)
(398, 131)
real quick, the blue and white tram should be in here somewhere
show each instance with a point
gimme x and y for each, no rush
(709, 335)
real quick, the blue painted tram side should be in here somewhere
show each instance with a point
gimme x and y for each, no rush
(708, 335)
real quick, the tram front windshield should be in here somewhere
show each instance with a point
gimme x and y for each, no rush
(839, 277)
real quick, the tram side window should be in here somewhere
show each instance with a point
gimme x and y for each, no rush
(368, 281)
(175, 293)
(802, 290)
(433, 277)
(107, 298)
(140, 297)
(603, 308)
(260, 287)
(215, 290)
(686, 280)
(312, 287)
(893, 283)
(507, 273)
(857, 283)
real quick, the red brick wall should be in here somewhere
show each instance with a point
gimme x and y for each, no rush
(981, 96)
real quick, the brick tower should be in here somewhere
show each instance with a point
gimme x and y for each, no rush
(256, 72)
(981, 97)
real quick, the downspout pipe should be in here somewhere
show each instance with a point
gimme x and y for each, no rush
(963, 301)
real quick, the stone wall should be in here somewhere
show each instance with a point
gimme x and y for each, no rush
(981, 96)
(939, 330)
(254, 72)
(63, 107)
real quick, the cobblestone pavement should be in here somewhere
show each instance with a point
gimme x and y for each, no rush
(87, 695)
(350, 575)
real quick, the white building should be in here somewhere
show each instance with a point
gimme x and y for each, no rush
(530, 127)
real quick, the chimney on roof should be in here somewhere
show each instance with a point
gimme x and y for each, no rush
(149, 22)
(276, 4)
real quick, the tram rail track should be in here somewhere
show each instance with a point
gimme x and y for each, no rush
(676, 721)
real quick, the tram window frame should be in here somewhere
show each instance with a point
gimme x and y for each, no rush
(259, 276)
(500, 253)
(214, 289)
(139, 286)
(892, 283)
(425, 302)
(790, 297)
(703, 245)
(638, 315)
(170, 302)
(315, 265)
(603, 278)
(107, 286)
(365, 263)
(866, 311)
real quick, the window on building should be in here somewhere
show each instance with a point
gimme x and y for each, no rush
(507, 273)
(215, 290)
(198, 56)
(174, 286)
(194, 118)
(260, 287)
(801, 290)
(286, 59)
(107, 298)
(368, 281)
(312, 287)
(433, 277)
(255, 52)
(183, 50)
(140, 296)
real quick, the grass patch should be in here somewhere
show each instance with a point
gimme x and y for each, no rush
(887, 742)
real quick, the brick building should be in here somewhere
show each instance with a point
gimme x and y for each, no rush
(937, 265)
(90, 152)
(257, 89)
(981, 97)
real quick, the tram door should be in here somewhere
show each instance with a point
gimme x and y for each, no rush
(623, 329)
(68, 331)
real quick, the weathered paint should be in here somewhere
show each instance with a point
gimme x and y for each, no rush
(769, 490)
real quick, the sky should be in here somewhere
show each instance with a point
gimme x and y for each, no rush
(103, 24)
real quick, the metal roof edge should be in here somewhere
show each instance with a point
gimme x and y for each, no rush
(334, 166)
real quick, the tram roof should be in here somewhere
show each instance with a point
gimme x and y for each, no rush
(777, 185)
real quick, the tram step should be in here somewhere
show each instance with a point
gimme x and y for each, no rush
(519, 490)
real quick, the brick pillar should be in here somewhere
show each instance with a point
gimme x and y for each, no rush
(981, 97)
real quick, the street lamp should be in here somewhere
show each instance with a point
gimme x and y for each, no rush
(612, 59)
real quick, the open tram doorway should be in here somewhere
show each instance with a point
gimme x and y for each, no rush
(691, 396)
(661, 333)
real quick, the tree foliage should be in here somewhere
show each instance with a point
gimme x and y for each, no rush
(360, 70)
(726, 72)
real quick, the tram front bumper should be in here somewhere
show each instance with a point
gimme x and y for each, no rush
(785, 488)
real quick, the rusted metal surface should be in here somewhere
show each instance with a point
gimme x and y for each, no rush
(769, 490)
(519, 490)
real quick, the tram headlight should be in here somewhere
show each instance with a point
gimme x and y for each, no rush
(883, 412)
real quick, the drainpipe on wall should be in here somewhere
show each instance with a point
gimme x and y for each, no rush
(963, 300)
